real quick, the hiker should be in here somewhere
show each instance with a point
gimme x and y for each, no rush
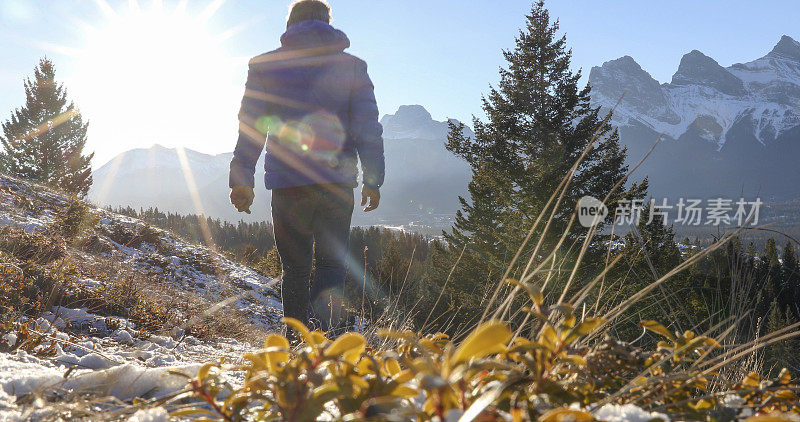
(314, 107)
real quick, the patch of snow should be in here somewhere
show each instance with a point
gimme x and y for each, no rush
(627, 413)
(20, 376)
(157, 414)
(130, 381)
(91, 284)
(122, 336)
(9, 339)
(732, 400)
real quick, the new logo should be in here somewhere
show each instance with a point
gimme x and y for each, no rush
(591, 211)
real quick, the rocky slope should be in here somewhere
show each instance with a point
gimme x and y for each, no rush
(131, 306)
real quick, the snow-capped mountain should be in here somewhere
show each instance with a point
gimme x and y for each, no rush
(767, 89)
(423, 179)
(726, 129)
(166, 178)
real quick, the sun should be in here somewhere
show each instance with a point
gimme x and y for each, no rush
(156, 75)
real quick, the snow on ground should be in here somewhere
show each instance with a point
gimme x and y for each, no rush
(108, 356)
(157, 414)
(189, 267)
(627, 413)
(108, 364)
(181, 263)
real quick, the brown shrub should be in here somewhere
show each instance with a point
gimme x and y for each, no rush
(94, 244)
(34, 247)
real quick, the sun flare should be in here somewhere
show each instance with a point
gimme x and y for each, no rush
(157, 75)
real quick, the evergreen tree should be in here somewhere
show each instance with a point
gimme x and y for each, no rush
(650, 251)
(539, 123)
(780, 354)
(770, 253)
(44, 139)
(658, 244)
(791, 278)
(790, 264)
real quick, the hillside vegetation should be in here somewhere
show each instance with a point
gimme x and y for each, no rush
(520, 311)
(96, 304)
(103, 311)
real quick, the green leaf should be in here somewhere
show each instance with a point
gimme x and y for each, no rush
(202, 373)
(300, 328)
(274, 341)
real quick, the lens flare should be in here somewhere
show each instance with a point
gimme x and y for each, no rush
(327, 133)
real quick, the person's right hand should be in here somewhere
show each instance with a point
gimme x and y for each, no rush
(370, 196)
(242, 197)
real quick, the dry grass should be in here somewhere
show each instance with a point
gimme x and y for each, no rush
(41, 268)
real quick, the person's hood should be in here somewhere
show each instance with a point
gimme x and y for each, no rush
(314, 34)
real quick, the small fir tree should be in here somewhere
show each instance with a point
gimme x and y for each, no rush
(44, 139)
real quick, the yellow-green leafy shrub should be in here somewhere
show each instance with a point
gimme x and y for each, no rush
(552, 373)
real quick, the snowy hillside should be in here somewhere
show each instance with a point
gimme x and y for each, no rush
(730, 127)
(128, 303)
(766, 89)
(167, 178)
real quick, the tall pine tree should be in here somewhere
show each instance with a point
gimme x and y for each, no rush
(539, 123)
(791, 278)
(45, 138)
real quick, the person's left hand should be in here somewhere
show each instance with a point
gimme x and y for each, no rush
(370, 196)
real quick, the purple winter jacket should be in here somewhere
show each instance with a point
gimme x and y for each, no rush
(314, 106)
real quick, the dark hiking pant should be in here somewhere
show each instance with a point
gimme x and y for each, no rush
(313, 223)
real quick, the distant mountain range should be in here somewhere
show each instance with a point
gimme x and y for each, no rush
(422, 186)
(727, 131)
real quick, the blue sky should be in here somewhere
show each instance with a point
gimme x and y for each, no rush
(442, 54)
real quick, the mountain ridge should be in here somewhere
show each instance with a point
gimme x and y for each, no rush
(736, 126)
(742, 85)
(728, 132)
(191, 182)
(415, 122)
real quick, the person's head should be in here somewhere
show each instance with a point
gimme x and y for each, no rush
(306, 10)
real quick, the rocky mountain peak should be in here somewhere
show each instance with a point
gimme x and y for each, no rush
(626, 63)
(641, 92)
(786, 48)
(413, 113)
(415, 122)
(623, 68)
(698, 69)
